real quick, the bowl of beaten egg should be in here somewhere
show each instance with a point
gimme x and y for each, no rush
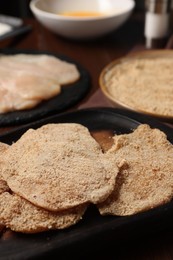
(82, 19)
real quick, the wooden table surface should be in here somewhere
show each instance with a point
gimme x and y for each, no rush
(94, 55)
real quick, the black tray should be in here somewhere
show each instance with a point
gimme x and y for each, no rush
(70, 95)
(93, 230)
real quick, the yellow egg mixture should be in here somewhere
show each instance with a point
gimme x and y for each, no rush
(82, 13)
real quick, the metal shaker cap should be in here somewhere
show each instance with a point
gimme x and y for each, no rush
(158, 6)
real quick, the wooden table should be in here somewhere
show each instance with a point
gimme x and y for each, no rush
(94, 55)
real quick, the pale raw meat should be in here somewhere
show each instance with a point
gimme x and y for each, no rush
(26, 80)
(55, 68)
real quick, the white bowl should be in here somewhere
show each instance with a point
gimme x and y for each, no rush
(113, 14)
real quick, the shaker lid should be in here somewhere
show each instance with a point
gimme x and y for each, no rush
(158, 6)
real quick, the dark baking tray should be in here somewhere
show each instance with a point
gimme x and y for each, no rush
(70, 95)
(93, 230)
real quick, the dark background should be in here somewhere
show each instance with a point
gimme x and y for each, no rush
(20, 8)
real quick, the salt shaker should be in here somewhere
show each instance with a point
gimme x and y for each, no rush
(157, 22)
